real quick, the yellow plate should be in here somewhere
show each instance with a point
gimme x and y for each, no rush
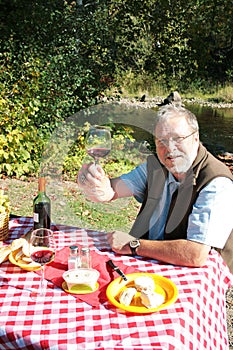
(79, 290)
(163, 286)
(25, 266)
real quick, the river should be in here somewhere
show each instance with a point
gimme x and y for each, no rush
(216, 127)
(216, 124)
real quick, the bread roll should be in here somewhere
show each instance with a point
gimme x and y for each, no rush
(17, 243)
(144, 283)
(127, 295)
(4, 253)
(152, 299)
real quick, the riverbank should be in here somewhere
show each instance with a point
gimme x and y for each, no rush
(152, 102)
(149, 103)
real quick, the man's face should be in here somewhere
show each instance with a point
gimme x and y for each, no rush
(175, 150)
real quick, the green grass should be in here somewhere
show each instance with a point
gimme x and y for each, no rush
(132, 85)
(117, 215)
(77, 210)
(21, 194)
(70, 207)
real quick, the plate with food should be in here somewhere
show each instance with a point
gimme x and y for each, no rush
(18, 253)
(142, 292)
(80, 281)
(23, 261)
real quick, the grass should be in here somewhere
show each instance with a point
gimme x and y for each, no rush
(21, 194)
(132, 85)
(70, 207)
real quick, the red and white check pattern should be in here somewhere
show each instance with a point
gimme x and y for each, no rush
(197, 320)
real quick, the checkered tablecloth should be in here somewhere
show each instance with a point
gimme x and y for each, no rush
(197, 320)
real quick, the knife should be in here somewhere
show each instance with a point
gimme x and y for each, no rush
(116, 268)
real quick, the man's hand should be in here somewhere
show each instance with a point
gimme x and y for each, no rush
(94, 183)
(119, 242)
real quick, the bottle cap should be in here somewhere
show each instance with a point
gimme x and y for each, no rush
(74, 248)
(85, 249)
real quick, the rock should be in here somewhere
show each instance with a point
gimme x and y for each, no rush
(174, 98)
(143, 98)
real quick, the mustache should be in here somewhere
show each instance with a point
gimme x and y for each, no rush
(173, 154)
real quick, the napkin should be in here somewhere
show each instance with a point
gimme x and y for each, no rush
(55, 270)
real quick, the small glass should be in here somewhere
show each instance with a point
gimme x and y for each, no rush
(85, 258)
(73, 259)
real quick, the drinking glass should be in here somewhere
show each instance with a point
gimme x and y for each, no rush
(42, 250)
(98, 142)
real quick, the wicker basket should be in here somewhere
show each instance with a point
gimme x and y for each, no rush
(4, 225)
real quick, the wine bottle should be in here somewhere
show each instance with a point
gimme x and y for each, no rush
(41, 207)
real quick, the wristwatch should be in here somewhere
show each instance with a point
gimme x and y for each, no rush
(134, 245)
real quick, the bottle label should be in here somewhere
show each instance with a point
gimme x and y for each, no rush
(41, 215)
(36, 217)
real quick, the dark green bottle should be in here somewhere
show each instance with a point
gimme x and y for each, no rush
(41, 207)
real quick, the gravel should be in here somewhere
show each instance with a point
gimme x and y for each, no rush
(229, 306)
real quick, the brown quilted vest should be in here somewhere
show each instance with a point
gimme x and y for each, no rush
(205, 168)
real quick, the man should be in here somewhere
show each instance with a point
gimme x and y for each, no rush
(186, 196)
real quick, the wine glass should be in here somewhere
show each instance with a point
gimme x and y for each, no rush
(42, 250)
(98, 142)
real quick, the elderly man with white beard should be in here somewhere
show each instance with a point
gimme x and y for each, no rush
(186, 196)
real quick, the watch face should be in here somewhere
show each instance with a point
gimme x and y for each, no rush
(134, 244)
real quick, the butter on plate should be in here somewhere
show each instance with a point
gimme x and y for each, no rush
(81, 278)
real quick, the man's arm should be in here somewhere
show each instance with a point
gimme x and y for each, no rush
(177, 252)
(120, 188)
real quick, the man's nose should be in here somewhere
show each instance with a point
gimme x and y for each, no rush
(170, 144)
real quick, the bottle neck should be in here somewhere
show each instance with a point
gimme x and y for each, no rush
(41, 184)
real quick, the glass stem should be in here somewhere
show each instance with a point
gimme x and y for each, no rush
(42, 281)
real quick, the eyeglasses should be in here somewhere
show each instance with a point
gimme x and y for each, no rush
(177, 140)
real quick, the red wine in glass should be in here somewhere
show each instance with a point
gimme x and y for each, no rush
(97, 153)
(43, 256)
(42, 250)
(98, 142)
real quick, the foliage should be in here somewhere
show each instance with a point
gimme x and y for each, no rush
(225, 93)
(62, 56)
(18, 132)
(43, 80)
(124, 156)
(133, 84)
(4, 202)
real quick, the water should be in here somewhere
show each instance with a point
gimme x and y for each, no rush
(216, 127)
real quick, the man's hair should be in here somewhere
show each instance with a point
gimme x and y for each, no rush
(170, 111)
